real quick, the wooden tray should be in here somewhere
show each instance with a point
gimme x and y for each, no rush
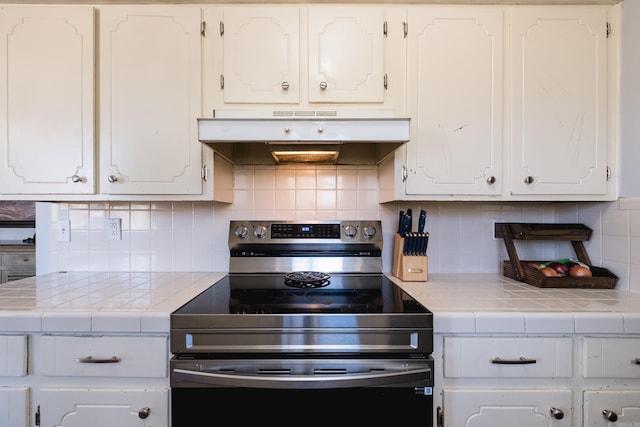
(574, 233)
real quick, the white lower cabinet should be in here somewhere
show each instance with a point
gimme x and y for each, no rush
(14, 406)
(125, 407)
(507, 407)
(612, 408)
(103, 381)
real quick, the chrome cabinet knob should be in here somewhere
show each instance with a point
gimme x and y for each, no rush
(491, 180)
(528, 180)
(76, 178)
(320, 130)
(557, 413)
(323, 85)
(144, 412)
(285, 85)
(112, 178)
(610, 415)
(287, 130)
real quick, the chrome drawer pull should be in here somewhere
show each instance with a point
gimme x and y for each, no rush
(91, 359)
(519, 361)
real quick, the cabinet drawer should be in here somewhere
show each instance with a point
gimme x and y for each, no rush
(507, 357)
(141, 357)
(611, 357)
(13, 355)
(18, 259)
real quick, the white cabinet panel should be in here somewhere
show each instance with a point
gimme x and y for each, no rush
(611, 357)
(492, 408)
(150, 80)
(92, 356)
(559, 85)
(82, 407)
(456, 146)
(612, 408)
(47, 100)
(14, 406)
(507, 357)
(13, 355)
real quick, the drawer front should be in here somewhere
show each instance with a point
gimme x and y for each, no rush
(13, 355)
(18, 259)
(519, 357)
(611, 357)
(136, 357)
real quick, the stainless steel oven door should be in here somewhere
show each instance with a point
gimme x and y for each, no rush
(302, 393)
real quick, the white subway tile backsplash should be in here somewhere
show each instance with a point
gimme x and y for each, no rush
(184, 236)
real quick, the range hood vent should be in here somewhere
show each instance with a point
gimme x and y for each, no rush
(249, 138)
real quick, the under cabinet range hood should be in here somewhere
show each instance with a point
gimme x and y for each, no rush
(303, 137)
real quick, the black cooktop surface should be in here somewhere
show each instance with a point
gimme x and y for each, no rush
(303, 292)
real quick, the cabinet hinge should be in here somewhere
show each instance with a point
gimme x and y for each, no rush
(203, 28)
(608, 29)
(221, 28)
(405, 174)
(439, 417)
(384, 28)
(405, 29)
(38, 416)
(386, 81)
(203, 173)
(221, 81)
(608, 173)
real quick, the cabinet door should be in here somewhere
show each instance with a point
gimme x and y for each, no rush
(260, 55)
(559, 100)
(14, 406)
(611, 407)
(47, 100)
(150, 69)
(346, 54)
(82, 407)
(456, 144)
(507, 407)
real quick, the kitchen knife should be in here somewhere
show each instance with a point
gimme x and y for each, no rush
(410, 214)
(422, 220)
(406, 225)
(400, 222)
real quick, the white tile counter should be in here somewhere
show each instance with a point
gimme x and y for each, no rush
(492, 303)
(462, 303)
(98, 301)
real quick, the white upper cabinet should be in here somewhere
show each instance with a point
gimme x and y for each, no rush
(150, 73)
(559, 89)
(47, 100)
(292, 57)
(455, 59)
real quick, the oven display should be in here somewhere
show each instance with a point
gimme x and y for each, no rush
(305, 231)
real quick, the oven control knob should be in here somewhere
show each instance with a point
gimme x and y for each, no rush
(368, 231)
(260, 232)
(241, 232)
(350, 231)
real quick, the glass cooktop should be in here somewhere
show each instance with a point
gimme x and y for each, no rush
(303, 292)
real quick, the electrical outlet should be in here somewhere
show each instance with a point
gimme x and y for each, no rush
(64, 230)
(114, 228)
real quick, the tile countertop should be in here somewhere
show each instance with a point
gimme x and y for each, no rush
(80, 302)
(122, 302)
(494, 304)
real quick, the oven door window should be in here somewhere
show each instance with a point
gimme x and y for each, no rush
(367, 406)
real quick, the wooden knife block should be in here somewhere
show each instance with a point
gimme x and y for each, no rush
(409, 268)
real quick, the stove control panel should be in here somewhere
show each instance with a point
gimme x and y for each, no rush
(295, 232)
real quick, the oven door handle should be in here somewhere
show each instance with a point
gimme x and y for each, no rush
(367, 379)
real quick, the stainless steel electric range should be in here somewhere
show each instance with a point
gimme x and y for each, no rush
(305, 315)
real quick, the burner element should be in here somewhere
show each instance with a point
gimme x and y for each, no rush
(306, 279)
